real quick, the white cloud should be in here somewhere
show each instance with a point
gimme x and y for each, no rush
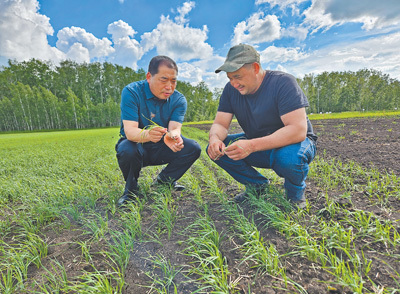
(183, 11)
(380, 53)
(203, 70)
(275, 54)
(127, 50)
(178, 41)
(373, 14)
(296, 32)
(120, 29)
(257, 29)
(190, 73)
(281, 3)
(24, 31)
(98, 48)
(78, 53)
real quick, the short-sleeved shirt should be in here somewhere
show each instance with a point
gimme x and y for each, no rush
(139, 104)
(259, 114)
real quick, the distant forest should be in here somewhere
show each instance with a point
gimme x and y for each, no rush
(37, 95)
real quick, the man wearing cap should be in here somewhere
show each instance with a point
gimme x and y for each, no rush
(277, 134)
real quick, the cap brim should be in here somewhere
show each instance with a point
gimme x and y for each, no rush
(229, 67)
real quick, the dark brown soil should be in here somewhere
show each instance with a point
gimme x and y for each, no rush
(371, 142)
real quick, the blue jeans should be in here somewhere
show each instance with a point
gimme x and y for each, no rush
(289, 162)
(132, 157)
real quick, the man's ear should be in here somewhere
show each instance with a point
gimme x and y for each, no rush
(256, 67)
(148, 76)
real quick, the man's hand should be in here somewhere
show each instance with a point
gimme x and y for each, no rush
(174, 141)
(215, 148)
(155, 134)
(239, 149)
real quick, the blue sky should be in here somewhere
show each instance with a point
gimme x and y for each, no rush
(297, 36)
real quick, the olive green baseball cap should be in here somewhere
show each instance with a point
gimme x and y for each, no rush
(238, 56)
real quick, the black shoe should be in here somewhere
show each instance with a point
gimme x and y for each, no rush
(258, 190)
(239, 198)
(300, 204)
(125, 199)
(178, 187)
(174, 185)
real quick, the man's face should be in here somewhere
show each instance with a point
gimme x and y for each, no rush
(163, 83)
(244, 79)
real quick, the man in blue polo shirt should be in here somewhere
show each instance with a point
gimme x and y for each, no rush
(152, 112)
(270, 108)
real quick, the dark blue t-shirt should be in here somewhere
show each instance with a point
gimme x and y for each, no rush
(259, 114)
(140, 105)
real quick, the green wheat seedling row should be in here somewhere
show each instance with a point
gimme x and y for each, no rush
(118, 247)
(163, 283)
(56, 281)
(165, 210)
(365, 223)
(263, 256)
(15, 261)
(255, 250)
(209, 263)
(333, 247)
(333, 174)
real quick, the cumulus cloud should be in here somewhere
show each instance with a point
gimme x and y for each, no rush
(24, 31)
(281, 3)
(257, 29)
(296, 32)
(380, 53)
(120, 29)
(183, 11)
(276, 54)
(78, 53)
(190, 73)
(98, 48)
(127, 50)
(178, 41)
(372, 14)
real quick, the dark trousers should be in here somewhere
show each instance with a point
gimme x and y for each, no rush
(132, 157)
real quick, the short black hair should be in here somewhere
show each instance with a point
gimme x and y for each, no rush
(159, 60)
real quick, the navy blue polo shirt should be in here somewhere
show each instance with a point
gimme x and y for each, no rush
(259, 114)
(139, 104)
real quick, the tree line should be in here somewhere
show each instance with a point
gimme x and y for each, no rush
(364, 90)
(37, 95)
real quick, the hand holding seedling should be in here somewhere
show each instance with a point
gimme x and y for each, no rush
(216, 149)
(239, 149)
(173, 140)
(155, 134)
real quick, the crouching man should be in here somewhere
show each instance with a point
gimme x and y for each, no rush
(152, 112)
(270, 108)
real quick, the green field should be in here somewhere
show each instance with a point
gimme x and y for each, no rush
(60, 230)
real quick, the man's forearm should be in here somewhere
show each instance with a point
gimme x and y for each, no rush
(285, 136)
(218, 131)
(137, 135)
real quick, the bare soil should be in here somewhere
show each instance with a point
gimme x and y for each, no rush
(371, 142)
